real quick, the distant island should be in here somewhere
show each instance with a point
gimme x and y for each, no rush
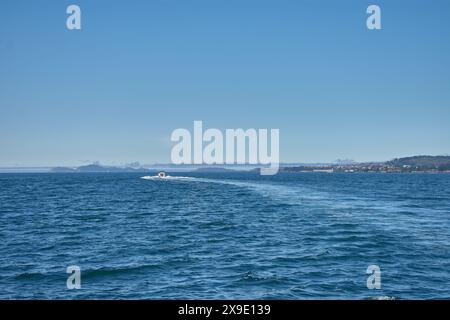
(399, 165)
(96, 168)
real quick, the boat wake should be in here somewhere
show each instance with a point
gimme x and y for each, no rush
(286, 194)
(166, 178)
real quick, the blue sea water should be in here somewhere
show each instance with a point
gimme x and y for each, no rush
(225, 236)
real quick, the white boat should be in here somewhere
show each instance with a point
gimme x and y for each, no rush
(162, 175)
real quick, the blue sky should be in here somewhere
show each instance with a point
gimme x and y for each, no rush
(115, 90)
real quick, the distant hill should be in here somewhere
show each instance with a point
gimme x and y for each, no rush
(422, 163)
(398, 165)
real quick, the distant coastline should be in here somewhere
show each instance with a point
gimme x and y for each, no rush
(423, 164)
(427, 164)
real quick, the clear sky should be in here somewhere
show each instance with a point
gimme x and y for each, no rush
(116, 89)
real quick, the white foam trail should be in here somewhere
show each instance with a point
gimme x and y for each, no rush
(287, 194)
(166, 178)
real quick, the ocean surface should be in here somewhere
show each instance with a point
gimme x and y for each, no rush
(225, 236)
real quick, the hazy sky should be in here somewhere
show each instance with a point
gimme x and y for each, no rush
(115, 90)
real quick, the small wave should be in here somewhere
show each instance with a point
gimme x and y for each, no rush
(114, 271)
(263, 277)
(382, 298)
(30, 276)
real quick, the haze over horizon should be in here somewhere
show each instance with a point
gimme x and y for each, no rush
(115, 90)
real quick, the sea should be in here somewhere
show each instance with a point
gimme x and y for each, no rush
(230, 235)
